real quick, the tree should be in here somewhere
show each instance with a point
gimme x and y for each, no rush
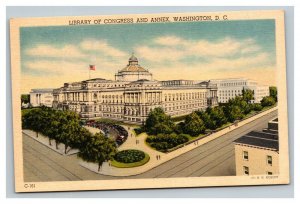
(273, 92)
(25, 98)
(69, 129)
(193, 125)
(98, 149)
(247, 95)
(217, 115)
(32, 120)
(267, 101)
(47, 116)
(233, 112)
(159, 122)
(205, 117)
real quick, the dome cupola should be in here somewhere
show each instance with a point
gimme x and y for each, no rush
(133, 60)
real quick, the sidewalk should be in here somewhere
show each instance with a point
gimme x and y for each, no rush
(45, 141)
(131, 143)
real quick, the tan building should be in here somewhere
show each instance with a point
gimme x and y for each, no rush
(257, 153)
(133, 95)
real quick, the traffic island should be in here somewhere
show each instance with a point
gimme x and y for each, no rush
(130, 158)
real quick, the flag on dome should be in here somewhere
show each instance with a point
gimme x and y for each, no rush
(93, 67)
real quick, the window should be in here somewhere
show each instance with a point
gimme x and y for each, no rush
(269, 173)
(245, 155)
(269, 160)
(246, 170)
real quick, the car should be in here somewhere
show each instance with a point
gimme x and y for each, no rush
(120, 139)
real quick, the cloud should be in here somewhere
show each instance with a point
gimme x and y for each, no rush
(67, 51)
(174, 48)
(55, 67)
(54, 73)
(102, 47)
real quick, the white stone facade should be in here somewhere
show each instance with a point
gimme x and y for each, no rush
(41, 97)
(230, 88)
(132, 99)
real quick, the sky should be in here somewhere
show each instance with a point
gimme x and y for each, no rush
(51, 56)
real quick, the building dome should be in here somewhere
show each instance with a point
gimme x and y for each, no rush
(133, 58)
(133, 71)
(133, 65)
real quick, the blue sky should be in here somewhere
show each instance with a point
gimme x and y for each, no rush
(51, 56)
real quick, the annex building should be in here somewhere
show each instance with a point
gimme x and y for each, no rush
(133, 94)
(230, 88)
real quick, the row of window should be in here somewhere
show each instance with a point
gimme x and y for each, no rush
(247, 171)
(184, 107)
(228, 91)
(233, 84)
(269, 159)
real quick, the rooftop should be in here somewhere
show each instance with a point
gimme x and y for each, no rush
(258, 142)
(47, 90)
(133, 65)
(267, 139)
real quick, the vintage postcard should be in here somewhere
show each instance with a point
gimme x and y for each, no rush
(149, 101)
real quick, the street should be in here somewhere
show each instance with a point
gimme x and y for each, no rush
(215, 158)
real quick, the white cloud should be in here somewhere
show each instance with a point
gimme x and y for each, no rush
(54, 73)
(175, 48)
(103, 47)
(43, 50)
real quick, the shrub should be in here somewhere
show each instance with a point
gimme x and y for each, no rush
(267, 101)
(129, 156)
(257, 107)
(166, 141)
(138, 130)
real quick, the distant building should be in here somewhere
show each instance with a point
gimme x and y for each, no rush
(41, 97)
(257, 153)
(133, 94)
(229, 88)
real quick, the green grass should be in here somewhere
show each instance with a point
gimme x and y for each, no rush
(131, 165)
(194, 138)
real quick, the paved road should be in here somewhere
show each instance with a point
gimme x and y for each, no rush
(215, 158)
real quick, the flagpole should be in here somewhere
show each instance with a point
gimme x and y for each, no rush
(89, 73)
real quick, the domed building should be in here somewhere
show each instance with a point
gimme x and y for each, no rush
(133, 95)
(133, 71)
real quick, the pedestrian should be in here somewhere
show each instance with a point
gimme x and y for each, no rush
(156, 157)
(159, 157)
